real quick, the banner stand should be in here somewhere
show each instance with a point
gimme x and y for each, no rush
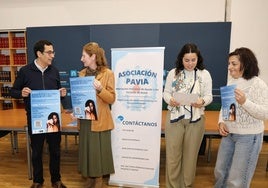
(137, 114)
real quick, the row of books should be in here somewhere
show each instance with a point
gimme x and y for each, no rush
(4, 59)
(5, 76)
(17, 42)
(7, 105)
(5, 92)
(19, 59)
(4, 42)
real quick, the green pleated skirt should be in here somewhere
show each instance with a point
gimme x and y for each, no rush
(95, 151)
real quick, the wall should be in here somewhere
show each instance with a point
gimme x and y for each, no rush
(249, 27)
(21, 14)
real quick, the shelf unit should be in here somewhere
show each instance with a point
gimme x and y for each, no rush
(13, 55)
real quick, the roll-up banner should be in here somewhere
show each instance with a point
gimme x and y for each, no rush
(137, 114)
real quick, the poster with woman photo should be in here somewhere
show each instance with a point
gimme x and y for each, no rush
(228, 103)
(83, 97)
(45, 111)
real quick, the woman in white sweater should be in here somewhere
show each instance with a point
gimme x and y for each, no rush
(185, 122)
(242, 139)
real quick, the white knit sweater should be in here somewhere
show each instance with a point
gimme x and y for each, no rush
(251, 115)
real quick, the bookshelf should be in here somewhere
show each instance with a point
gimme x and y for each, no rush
(12, 57)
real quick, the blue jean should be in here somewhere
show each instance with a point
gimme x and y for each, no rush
(237, 160)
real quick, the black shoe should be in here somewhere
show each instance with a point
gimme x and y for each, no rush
(58, 184)
(36, 185)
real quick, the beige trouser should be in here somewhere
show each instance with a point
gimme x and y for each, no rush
(183, 140)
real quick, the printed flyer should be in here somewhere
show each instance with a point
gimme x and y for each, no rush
(83, 97)
(45, 111)
(228, 102)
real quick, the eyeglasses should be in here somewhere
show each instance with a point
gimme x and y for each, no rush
(50, 52)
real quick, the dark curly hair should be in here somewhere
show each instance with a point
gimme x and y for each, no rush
(249, 63)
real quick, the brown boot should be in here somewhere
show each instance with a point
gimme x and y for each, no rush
(89, 182)
(98, 182)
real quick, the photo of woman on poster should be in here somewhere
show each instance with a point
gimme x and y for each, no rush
(232, 112)
(90, 110)
(53, 122)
